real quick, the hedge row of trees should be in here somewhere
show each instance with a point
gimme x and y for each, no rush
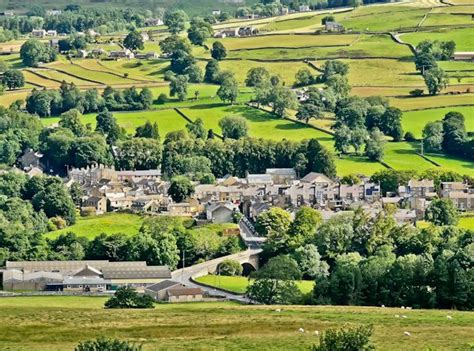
(46, 103)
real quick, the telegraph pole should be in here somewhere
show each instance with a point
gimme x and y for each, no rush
(182, 269)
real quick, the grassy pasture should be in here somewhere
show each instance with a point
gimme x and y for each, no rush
(8, 98)
(381, 18)
(383, 72)
(402, 156)
(309, 21)
(427, 102)
(463, 37)
(109, 223)
(290, 40)
(59, 76)
(81, 70)
(142, 70)
(365, 46)
(467, 222)
(239, 284)
(51, 323)
(37, 80)
(168, 120)
(286, 70)
(453, 163)
(446, 19)
(415, 121)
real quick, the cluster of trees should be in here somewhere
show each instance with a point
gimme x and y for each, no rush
(266, 8)
(46, 103)
(427, 53)
(364, 122)
(75, 18)
(449, 135)
(185, 154)
(102, 343)
(358, 260)
(126, 298)
(74, 42)
(13, 79)
(33, 52)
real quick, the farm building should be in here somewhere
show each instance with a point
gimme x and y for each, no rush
(147, 56)
(158, 290)
(221, 212)
(151, 22)
(81, 276)
(38, 33)
(184, 294)
(121, 54)
(247, 31)
(463, 56)
(333, 27)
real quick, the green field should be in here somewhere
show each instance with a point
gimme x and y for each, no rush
(463, 37)
(402, 156)
(239, 284)
(428, 102)
(467, 222)
(60, 323)
(415, 121)
(454, 164)
(109, 223)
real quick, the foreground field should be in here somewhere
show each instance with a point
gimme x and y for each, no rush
(110, 223)
(59, 323)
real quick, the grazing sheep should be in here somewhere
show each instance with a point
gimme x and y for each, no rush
(408, 308)
(403, 307)
(449, 317)
(397, 316)
(383, 306)
(301, 330)
(407, 333)
(404, 316)
(278, 310)
(316, 332)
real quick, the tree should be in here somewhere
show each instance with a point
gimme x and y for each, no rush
(234, 127)
(442, 212)
(435, 80)
(274, 224)
(282, 99)
(173, 43)
(257, 76)
(148, 130)
(454, 133)
(32, 52)
(197, 129)
(374, 146)
(175, 21)
(107, 125)
(358, 138)
(127, 297)
(180, 188)
(218, 51)
(433, 136)
(230, 268)
(103, 344)
(72, 120)
(333, 67)
(339, 85)
(310, 263)
(138, 153)
(307, 111)
(13, 79)
(274, 283)
(179, 87)
(199, 31)
(326, 19)
(212, 71)
(133, 41)
(347, 339)
(194, 73)
(229, 90)
(392, 123)
(303, 77)
(342, 139)
(303, 228)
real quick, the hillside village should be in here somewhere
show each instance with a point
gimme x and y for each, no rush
(249, 174)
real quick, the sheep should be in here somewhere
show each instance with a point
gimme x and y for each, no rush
(403, 307)
(316, 332)
(403, 316)
(301, 330)
(449, 317)
(408, 308)
(278, 310)
(397, 316)
(383, 306)
(407, 333)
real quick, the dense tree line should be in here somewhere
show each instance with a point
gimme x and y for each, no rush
(360, 260)
(237, 157)
(77, 19)
(449, 135)
(46, 103)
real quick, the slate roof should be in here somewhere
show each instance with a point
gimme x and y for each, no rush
(184, 291)
(165, 284)
(151, 272)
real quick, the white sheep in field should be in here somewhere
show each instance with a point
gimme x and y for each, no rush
(383, 306)
(316, 332)
(301, 330)
(397, 316)
(449, 317)
(403, 307)
(408, 308)
(404, 316)
(407, 333)
(278, 310)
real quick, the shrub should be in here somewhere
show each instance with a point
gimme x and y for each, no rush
(417, 92)
(104, 344)
(409, 136)
(162, 99)
(127, 297)
(230, 268)
(347, 339)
